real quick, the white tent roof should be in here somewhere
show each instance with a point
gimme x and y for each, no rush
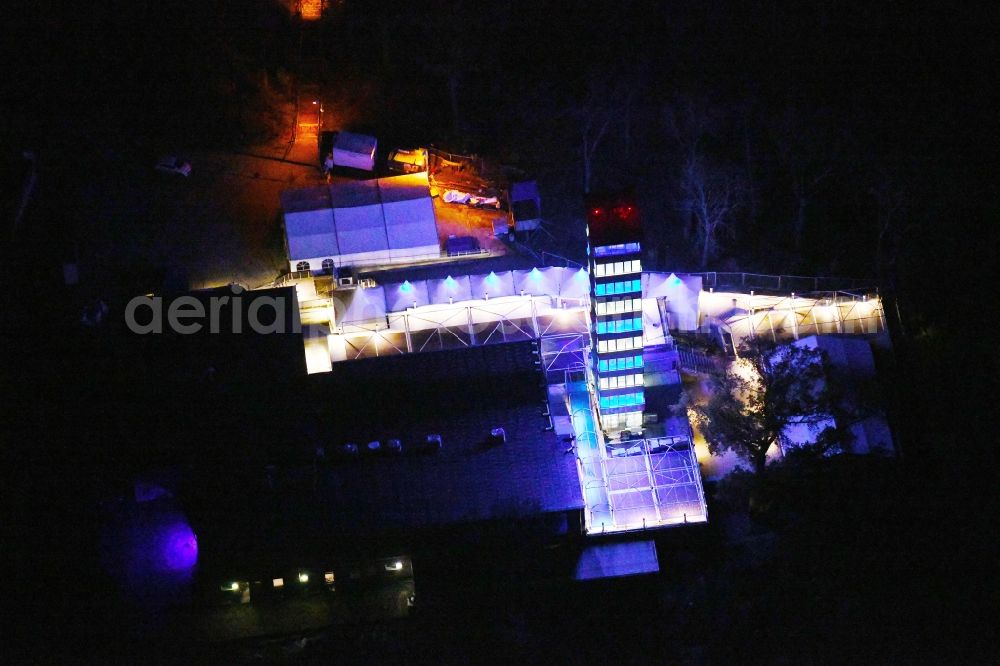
(311, 234)
(353, 193)
(404, 188)
(492, 284)
(369, 220)
(359, 305)
(360, 229)
(681, 293)
(538, 281)
(410, 224)
(575, 283)
(458, 289)
(306, 198)
(402, 295)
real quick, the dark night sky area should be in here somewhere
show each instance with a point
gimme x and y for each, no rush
(873, 108)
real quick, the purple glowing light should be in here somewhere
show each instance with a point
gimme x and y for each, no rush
(178, 547)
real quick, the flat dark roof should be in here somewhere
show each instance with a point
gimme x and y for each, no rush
(460, 395)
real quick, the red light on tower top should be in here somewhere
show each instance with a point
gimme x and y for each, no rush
(613, 219)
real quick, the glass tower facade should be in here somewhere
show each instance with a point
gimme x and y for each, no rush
(614, 248)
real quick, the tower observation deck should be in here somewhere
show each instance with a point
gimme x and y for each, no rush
(614, 250)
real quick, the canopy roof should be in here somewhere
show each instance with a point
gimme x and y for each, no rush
(360, 218)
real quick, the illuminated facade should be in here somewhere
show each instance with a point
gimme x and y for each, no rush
(614, 248)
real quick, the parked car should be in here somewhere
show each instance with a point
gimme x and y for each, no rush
(408, 161)
(172, 164)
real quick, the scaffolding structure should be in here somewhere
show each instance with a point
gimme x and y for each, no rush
(635, 484)
(386, 320)
(653, 482)
(456, 326)
(790, 317)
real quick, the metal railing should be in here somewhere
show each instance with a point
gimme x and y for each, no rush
(781, 283)
(696, 361)
(466, 253)
(285, 278)
(566, 260)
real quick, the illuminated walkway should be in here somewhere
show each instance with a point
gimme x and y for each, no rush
(588, 451)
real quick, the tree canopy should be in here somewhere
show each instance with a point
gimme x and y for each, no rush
(759, 395)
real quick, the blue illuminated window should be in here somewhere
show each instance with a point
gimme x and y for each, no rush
(625, 287)
(623, 248)
(623, 400)
(615, 364)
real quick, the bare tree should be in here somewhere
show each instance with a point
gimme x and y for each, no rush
(710, 196)
(594, 126)
(891, 201)
(604, 103)
(710, 188)
(452, 53)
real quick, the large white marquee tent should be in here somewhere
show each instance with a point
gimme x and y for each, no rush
(360, 223)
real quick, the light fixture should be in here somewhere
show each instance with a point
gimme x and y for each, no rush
(278, 582)
(328, 577)
(303, 577)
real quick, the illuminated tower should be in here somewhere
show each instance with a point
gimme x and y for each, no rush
(614, 248)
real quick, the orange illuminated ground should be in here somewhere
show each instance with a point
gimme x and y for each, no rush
(311, 10)
(460, 220)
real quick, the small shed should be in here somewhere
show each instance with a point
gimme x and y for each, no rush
(525, 205)
(356, 151)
